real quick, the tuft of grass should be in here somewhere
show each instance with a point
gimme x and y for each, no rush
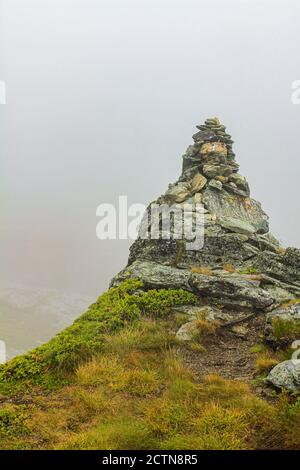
(163, 416)
(229, 268)
(96, 401)
(147, 335)
(286, 330)
(220, 389)
(122, 433)
(206, 327)
(101, 369)
(180, 251)
(205, 270)
(250, 270)
(221, 428)
(195, 346)
(139, 382)
(265, 364)
(258, 348)
(13, 420)
(291, 302)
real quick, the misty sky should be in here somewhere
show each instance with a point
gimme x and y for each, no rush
(102, 99)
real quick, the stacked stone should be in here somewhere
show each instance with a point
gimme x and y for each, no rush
(234, 223)
(213, 157)
(213, 131)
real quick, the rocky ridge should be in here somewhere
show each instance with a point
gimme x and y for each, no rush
(241, 266)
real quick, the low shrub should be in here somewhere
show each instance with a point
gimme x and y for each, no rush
(286, 330)
(114, 309)
(13, 420)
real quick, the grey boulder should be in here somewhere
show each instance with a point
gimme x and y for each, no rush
(286, 376)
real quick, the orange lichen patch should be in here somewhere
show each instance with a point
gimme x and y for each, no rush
(247, 203)
(280, 250)
(213, 147)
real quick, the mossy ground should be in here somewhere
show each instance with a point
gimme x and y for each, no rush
(125, 387)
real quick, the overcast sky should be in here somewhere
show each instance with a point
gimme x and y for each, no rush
(102, 99)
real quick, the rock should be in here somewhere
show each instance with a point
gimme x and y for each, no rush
(233, 188)
(155, 276)
(213, 147)
(197, 199)
(237, 225)
(240, 331)
(187, 331)
(211, 171)
(285, 292)
(279, 294)
(286, 376)
(220, 247)
(215, 184)
(292, 258)
(285, 267)
(240, 183)
(223, 179)
(206, 312)
(212, 121)
(264, 242)
(190, 311)
(232, 290)
(289, 314)
(225, 205)
(198, 183)
(178, 192)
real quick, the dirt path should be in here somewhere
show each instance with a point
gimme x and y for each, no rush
(228, 353)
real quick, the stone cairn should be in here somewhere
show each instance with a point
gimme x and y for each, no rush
(212, 153)
(241, 265)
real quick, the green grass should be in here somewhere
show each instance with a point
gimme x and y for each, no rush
(146, 398)
(258, 348)
(250, 270)
(50, 364)
(130, 390)
(286, 330)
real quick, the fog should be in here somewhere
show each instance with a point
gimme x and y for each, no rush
(102, 100)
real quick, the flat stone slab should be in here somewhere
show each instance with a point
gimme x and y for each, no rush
(155, 276)
(226, 205)
(232, 290)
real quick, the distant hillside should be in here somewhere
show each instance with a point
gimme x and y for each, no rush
(29, 317)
